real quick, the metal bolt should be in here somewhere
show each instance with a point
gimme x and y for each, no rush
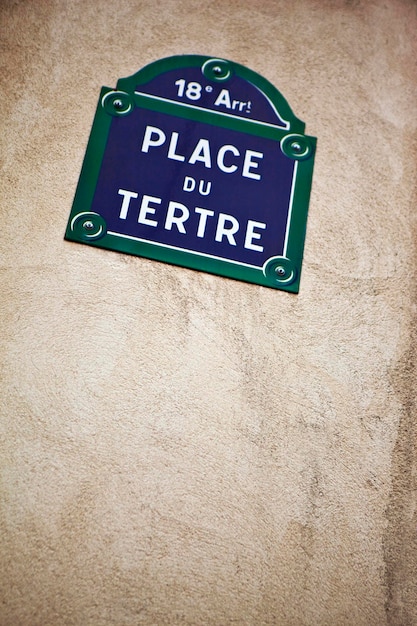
(118, 104)
(280, 270)
(296, 146)
(217, 70)
(88, 225)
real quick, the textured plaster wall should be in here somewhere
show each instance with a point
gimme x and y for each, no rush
(178, 448)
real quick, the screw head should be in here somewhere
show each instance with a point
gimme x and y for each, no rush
(280, 271)
(118, 104)
(296, 146)
(88, 225)
(217, 69)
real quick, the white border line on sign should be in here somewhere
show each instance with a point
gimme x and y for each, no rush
(165, 245)
(287, 230)
(233, 117)
(203, 254)
(212, 256)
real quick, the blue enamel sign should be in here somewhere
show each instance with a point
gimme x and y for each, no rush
(201, 163)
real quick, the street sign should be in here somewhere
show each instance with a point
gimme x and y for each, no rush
(198, 162)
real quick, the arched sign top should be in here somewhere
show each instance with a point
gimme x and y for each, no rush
(199, 162)
(214, 84)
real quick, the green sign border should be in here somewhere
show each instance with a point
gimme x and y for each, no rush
(281, 272)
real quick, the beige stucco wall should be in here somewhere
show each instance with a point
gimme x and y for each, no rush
(178, 448)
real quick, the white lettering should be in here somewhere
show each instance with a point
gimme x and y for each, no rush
(201, 153)
(206, 191)
(223, 98)
(127, 196)
(172, 148)
(178, 220)
(222, 231)
(177, 214)
(248, 163)
(189, 184)
(148, 141)
(220, 159)
(204, 214)
(251, 235)
(145, 209)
